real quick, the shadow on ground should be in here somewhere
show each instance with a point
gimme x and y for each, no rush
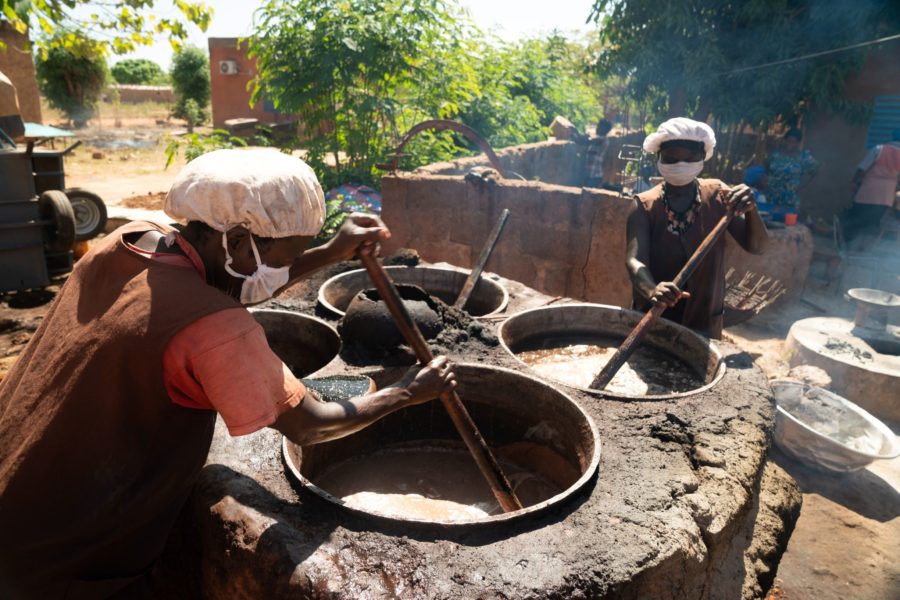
(861, 491)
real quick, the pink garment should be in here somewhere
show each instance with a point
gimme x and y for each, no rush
(223, 362)
(879, 184)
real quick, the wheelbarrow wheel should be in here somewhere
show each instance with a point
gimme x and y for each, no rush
(90, 213)
(59, 232)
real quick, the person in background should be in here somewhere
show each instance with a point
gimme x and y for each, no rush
(643, 181)
(756, 179)
(595, 154)
(789, 169)
(669, 222)
(875, 187)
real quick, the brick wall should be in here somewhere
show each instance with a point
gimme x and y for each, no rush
(135, 94)
(560, 240)
(552, 161)
(230, 94)
(17, 64)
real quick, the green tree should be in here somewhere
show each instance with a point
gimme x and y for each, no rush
(190, 79)
(554, 75)
(369, 70)
(692, 58)
(138, 71)
(502, 116)
(522, 87)
(73, 78)
(119, 26)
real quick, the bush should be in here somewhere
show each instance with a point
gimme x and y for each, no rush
(138, 71)
(73, 78)
(190, 75)
(187, 110)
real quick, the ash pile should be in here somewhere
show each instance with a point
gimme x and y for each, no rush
(370, 334)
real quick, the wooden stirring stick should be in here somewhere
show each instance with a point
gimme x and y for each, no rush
(473, 439)
(469, 285)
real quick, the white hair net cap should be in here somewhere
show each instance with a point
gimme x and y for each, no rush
(682, 128)
(270, 193)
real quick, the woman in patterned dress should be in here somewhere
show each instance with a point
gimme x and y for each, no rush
(789, 170)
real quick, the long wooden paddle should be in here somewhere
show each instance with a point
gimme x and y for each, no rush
(473, 439)
(624, 352)
(469, 285)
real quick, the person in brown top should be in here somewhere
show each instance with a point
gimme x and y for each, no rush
(107, 416)
(670, 221)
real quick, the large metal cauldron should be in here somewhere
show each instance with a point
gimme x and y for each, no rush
(569, 320)
(525, 420)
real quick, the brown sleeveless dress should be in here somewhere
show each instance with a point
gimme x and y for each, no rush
(704, 310)
(95, 460)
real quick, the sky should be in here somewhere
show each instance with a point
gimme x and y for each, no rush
(509, 19)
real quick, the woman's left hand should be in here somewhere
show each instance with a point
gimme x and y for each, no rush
(358, 230)
(741, 199)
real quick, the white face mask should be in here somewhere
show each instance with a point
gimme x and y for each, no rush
(262, 283)
(680, 173)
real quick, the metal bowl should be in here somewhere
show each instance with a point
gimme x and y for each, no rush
(304, 343)
(828, 431)
(567, 320)
(488, 298)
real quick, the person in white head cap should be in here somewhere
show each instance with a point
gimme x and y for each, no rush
(107, 417)
(670, 221)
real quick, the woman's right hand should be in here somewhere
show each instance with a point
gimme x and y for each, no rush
(668, 294)
(427, 382)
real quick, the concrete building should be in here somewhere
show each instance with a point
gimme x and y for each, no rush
(839, 145)
(231, 72)
(17, 64)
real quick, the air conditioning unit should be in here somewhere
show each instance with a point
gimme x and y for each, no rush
(228, 67)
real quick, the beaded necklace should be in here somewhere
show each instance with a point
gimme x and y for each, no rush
(679, 222)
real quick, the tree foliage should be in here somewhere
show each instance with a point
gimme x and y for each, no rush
(138, 71)
(687, 57)
(119, 26)
(73, 79)
(369, 69)
(190, 80)
(524, 86)
(373, 68)
(190, 75)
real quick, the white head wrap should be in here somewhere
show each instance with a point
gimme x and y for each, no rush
(682, 128)
(270, 193)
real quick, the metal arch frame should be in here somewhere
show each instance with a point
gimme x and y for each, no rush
(440, 125)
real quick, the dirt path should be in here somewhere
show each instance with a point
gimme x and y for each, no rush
(847, 541)
(122, 151)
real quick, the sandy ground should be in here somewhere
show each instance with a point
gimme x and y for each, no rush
(122, 152)
(847, 541)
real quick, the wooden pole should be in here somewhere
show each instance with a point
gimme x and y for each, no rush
(473, 439)
(469, 285)
(624, 352)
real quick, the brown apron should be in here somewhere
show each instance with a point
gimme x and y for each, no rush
(704, 310)
(95, 459)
